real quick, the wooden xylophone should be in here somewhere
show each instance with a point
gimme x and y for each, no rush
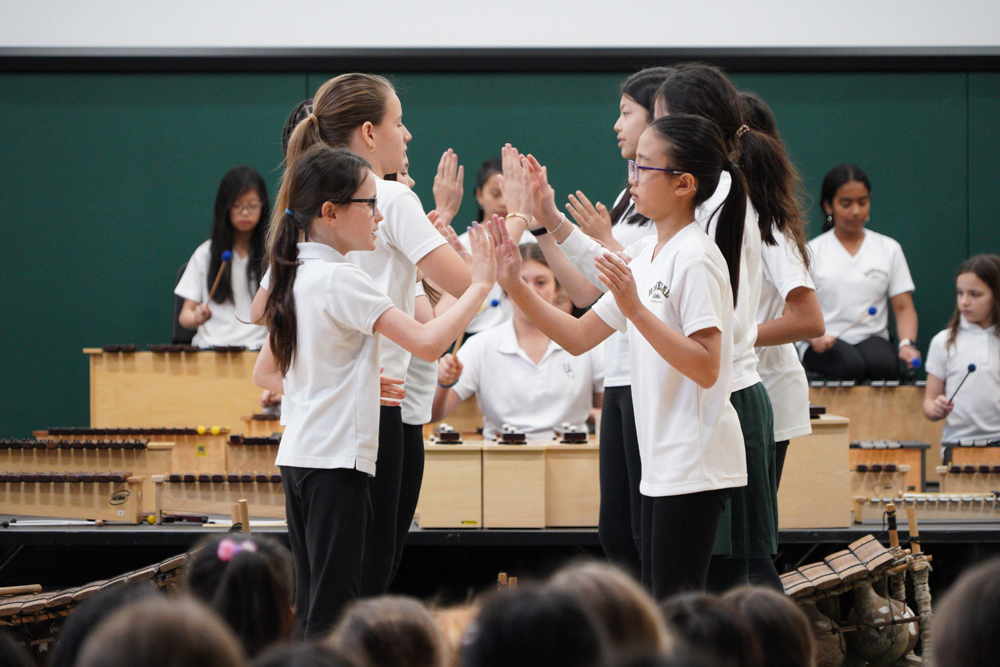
(252, 454)
(108, 496)
(911, 453)
(969, 478)
(197, 449)
(262, 425)
(879, 479)
(216, 493)
(981, 452)
(952, 507)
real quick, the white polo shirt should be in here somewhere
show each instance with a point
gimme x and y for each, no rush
(496, 308)
(333, 380)
(748, 299)
(581, 250)
(420, 384)
(689, 438)
(779, 367)
(404, 237)
(977, 405)
(848, 286)
(225, 326)
(511, 389)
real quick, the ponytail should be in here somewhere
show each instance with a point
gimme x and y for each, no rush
(321, 174)
(695, 145)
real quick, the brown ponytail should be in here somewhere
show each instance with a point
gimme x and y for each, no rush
(321, 174)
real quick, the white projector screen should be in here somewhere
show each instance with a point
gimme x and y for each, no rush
(517, 24)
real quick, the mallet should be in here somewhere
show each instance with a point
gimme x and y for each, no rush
(972, 369)
(870, 311)
(227, 256)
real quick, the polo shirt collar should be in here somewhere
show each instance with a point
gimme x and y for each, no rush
(966, 325)
(319, 251)
(508, 340)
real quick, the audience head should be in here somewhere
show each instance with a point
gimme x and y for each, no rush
(965, 622)
(453, 623)
(693, 146)
(162, 632)
(390, 631)
(489, 195)
(783, 632)
(88, 615)
(358, 112)
(529, 627)
(846, 198)
(248, 581)
(12, 654)
(629, 617)
(711, 628)
(241, 207)
(302, 654)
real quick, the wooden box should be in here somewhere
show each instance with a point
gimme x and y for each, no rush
(451, 495)
(815, 485)
(153, 389)
(879, 483)
(572, 485)
(974, 455)
(252, 455)
(957, 480)
(514, 485)
(108, 501)
(262, 426)
(884, 413)
(882, 452)
(265, 498)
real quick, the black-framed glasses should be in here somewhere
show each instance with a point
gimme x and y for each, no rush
(249, 208)
(373, 202)
(635, 169)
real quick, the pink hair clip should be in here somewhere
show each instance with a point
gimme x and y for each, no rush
(229, 547)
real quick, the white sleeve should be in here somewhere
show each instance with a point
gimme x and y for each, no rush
(597, 364)
(193, 285)
(407, 229)
(607, 309)
(470, 354)
(783, 266)
(265, 280)
(900, 281)
(353, 299)
(700, 288)
(581, 250)
(936, 363)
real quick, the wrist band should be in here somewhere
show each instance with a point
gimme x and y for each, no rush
(541, 231)
(561, 221)
(448, 386)
(517, 215)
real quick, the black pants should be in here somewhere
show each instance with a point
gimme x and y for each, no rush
(328, 514)
(871, 359)
(380, 547)
(409, 489)
(780, 450)
(620, 522)
(678, 533)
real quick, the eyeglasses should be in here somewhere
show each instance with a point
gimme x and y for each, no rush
(634, 170)
(373, 202)
(249, 208)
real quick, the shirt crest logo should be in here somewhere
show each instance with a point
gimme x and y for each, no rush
(876, 273)
(659, 292)
(568, 370)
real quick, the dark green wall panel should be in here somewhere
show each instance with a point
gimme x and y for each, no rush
(984, 163)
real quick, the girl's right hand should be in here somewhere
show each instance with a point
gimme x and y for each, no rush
(822, 344)
(201, 314)
(449, 370)
(483, 266)
(516, 183)
(545, 210)
(508, 256)
(942, 407)
(594, 220)
(447, 187)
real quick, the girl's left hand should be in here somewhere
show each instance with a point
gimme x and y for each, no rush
(483, 266)
(391, 392)
(618, 278)
(594, 220)
(448, 232)
(908, 354)
(516, 183)
(447, 187)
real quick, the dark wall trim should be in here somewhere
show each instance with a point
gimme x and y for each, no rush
(495, 60)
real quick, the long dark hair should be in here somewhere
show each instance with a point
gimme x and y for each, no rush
(695, 145)
(834, 179)
(251, 589)
(321, 174)
(704, 90)
(297, 115)
(487, 169)
(788, 184)
(987, 269)
(641, 87)
(237, 182)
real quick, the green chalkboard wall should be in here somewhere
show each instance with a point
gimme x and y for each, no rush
(107, 183)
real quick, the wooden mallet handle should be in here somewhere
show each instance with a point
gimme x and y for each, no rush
(226, 257)
(870, 311)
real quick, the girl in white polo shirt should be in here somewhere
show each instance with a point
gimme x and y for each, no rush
(675, 300)
(363, 114)
(324, 314)
(240, 227)
(856, 269)
(519, 376)
(970, 339)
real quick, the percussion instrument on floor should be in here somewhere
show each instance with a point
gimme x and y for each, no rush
(216, 493)
(105, 496)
